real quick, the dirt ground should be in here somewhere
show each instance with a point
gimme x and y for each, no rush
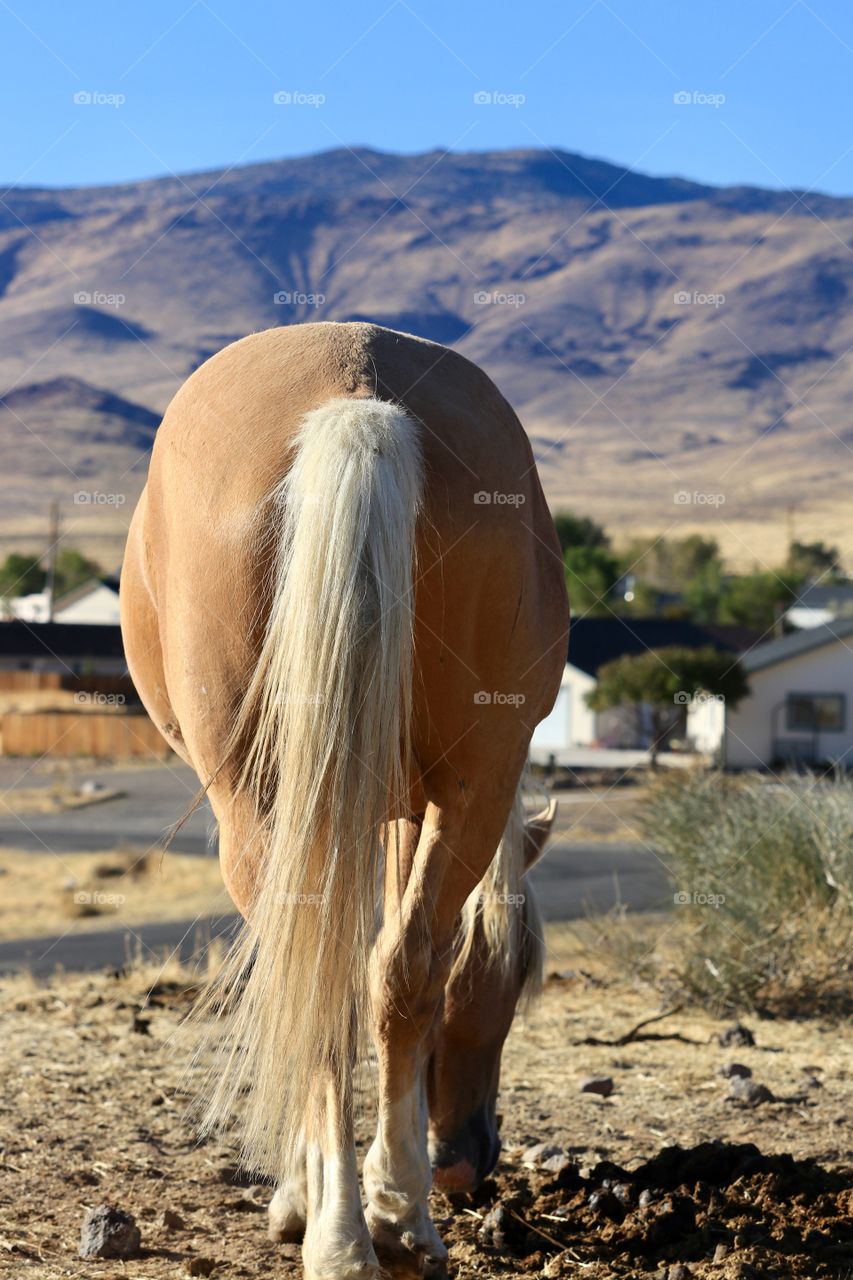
(47, 894)
(93, 1111)
(601, 813)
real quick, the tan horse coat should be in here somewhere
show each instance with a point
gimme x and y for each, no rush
(488, 618)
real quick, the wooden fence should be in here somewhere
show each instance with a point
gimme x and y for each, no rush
(38, 681)
(113, 735)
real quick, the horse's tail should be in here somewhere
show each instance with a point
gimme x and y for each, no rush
(324, 734)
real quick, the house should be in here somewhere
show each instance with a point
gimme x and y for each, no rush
(800, 706)
(34, 607)
(94, 602)
(592, 643)
(820, 603)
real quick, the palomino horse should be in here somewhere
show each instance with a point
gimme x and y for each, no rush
(344, 605)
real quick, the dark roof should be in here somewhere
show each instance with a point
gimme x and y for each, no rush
(797, 642)
(824, 596)
(64, 640)
(594, 641)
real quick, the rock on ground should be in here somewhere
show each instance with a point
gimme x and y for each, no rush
(109, 1232)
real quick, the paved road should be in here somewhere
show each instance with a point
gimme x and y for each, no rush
(572, 881)
(79, 950)
(154, 800)
(575, 880)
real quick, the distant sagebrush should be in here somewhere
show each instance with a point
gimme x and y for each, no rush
(762, 873)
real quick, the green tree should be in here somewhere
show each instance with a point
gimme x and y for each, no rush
(808, 561)
(579, 531)
(756, 600)
(663, 679)
(687, 570)
(73, 569)
(670, 564)
(21, 575)
(591, 575)
(703, 591)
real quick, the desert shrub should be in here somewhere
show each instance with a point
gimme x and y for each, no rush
(762, 881)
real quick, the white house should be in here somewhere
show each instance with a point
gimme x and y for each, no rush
(571, 722)
(34, 607)
(820, 603)
(95, 601)
(800, 704)
(594, 641)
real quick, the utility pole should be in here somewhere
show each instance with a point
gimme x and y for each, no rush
(790, 523)
(52, 547)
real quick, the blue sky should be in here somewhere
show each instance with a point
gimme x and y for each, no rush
(190, 84)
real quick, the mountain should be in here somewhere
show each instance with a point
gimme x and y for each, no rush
(678, 352)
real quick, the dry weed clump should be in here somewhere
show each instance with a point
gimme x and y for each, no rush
(762, 881)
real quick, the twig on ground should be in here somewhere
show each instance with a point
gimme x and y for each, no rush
(634, 1033)
(530, 1227)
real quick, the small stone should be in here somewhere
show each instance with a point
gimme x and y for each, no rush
(679, 1272)
(721, 1252)
(736, 1034)
(810, 1082)
(541, 1152)
(605, 1204)
(623, 1192)
(647, 1198)
(557, 1163)
(172, 1221)
(200, 1266)
(602, 1085)
(748, 1091)
(493, 1230)
(108, 1232)
(730, 1069)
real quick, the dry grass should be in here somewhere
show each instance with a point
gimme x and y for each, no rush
(40, 893)
(762, 879)
(95, 1111)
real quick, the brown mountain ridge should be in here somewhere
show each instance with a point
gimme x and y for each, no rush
(679, 353)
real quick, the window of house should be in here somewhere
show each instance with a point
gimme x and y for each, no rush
(817, 711)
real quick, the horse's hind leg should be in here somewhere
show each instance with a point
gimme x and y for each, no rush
(337, 1244)
(288, 1209)
(410, 966)
(319, 1202)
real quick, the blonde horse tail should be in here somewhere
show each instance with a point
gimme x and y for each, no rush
(324, 743)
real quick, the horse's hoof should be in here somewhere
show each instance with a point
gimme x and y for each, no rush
(285, 1235)
(286, 1217)
(406, 1255)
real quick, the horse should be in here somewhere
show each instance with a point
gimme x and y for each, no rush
(343, 604)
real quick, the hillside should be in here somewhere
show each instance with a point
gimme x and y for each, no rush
(659, 338)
